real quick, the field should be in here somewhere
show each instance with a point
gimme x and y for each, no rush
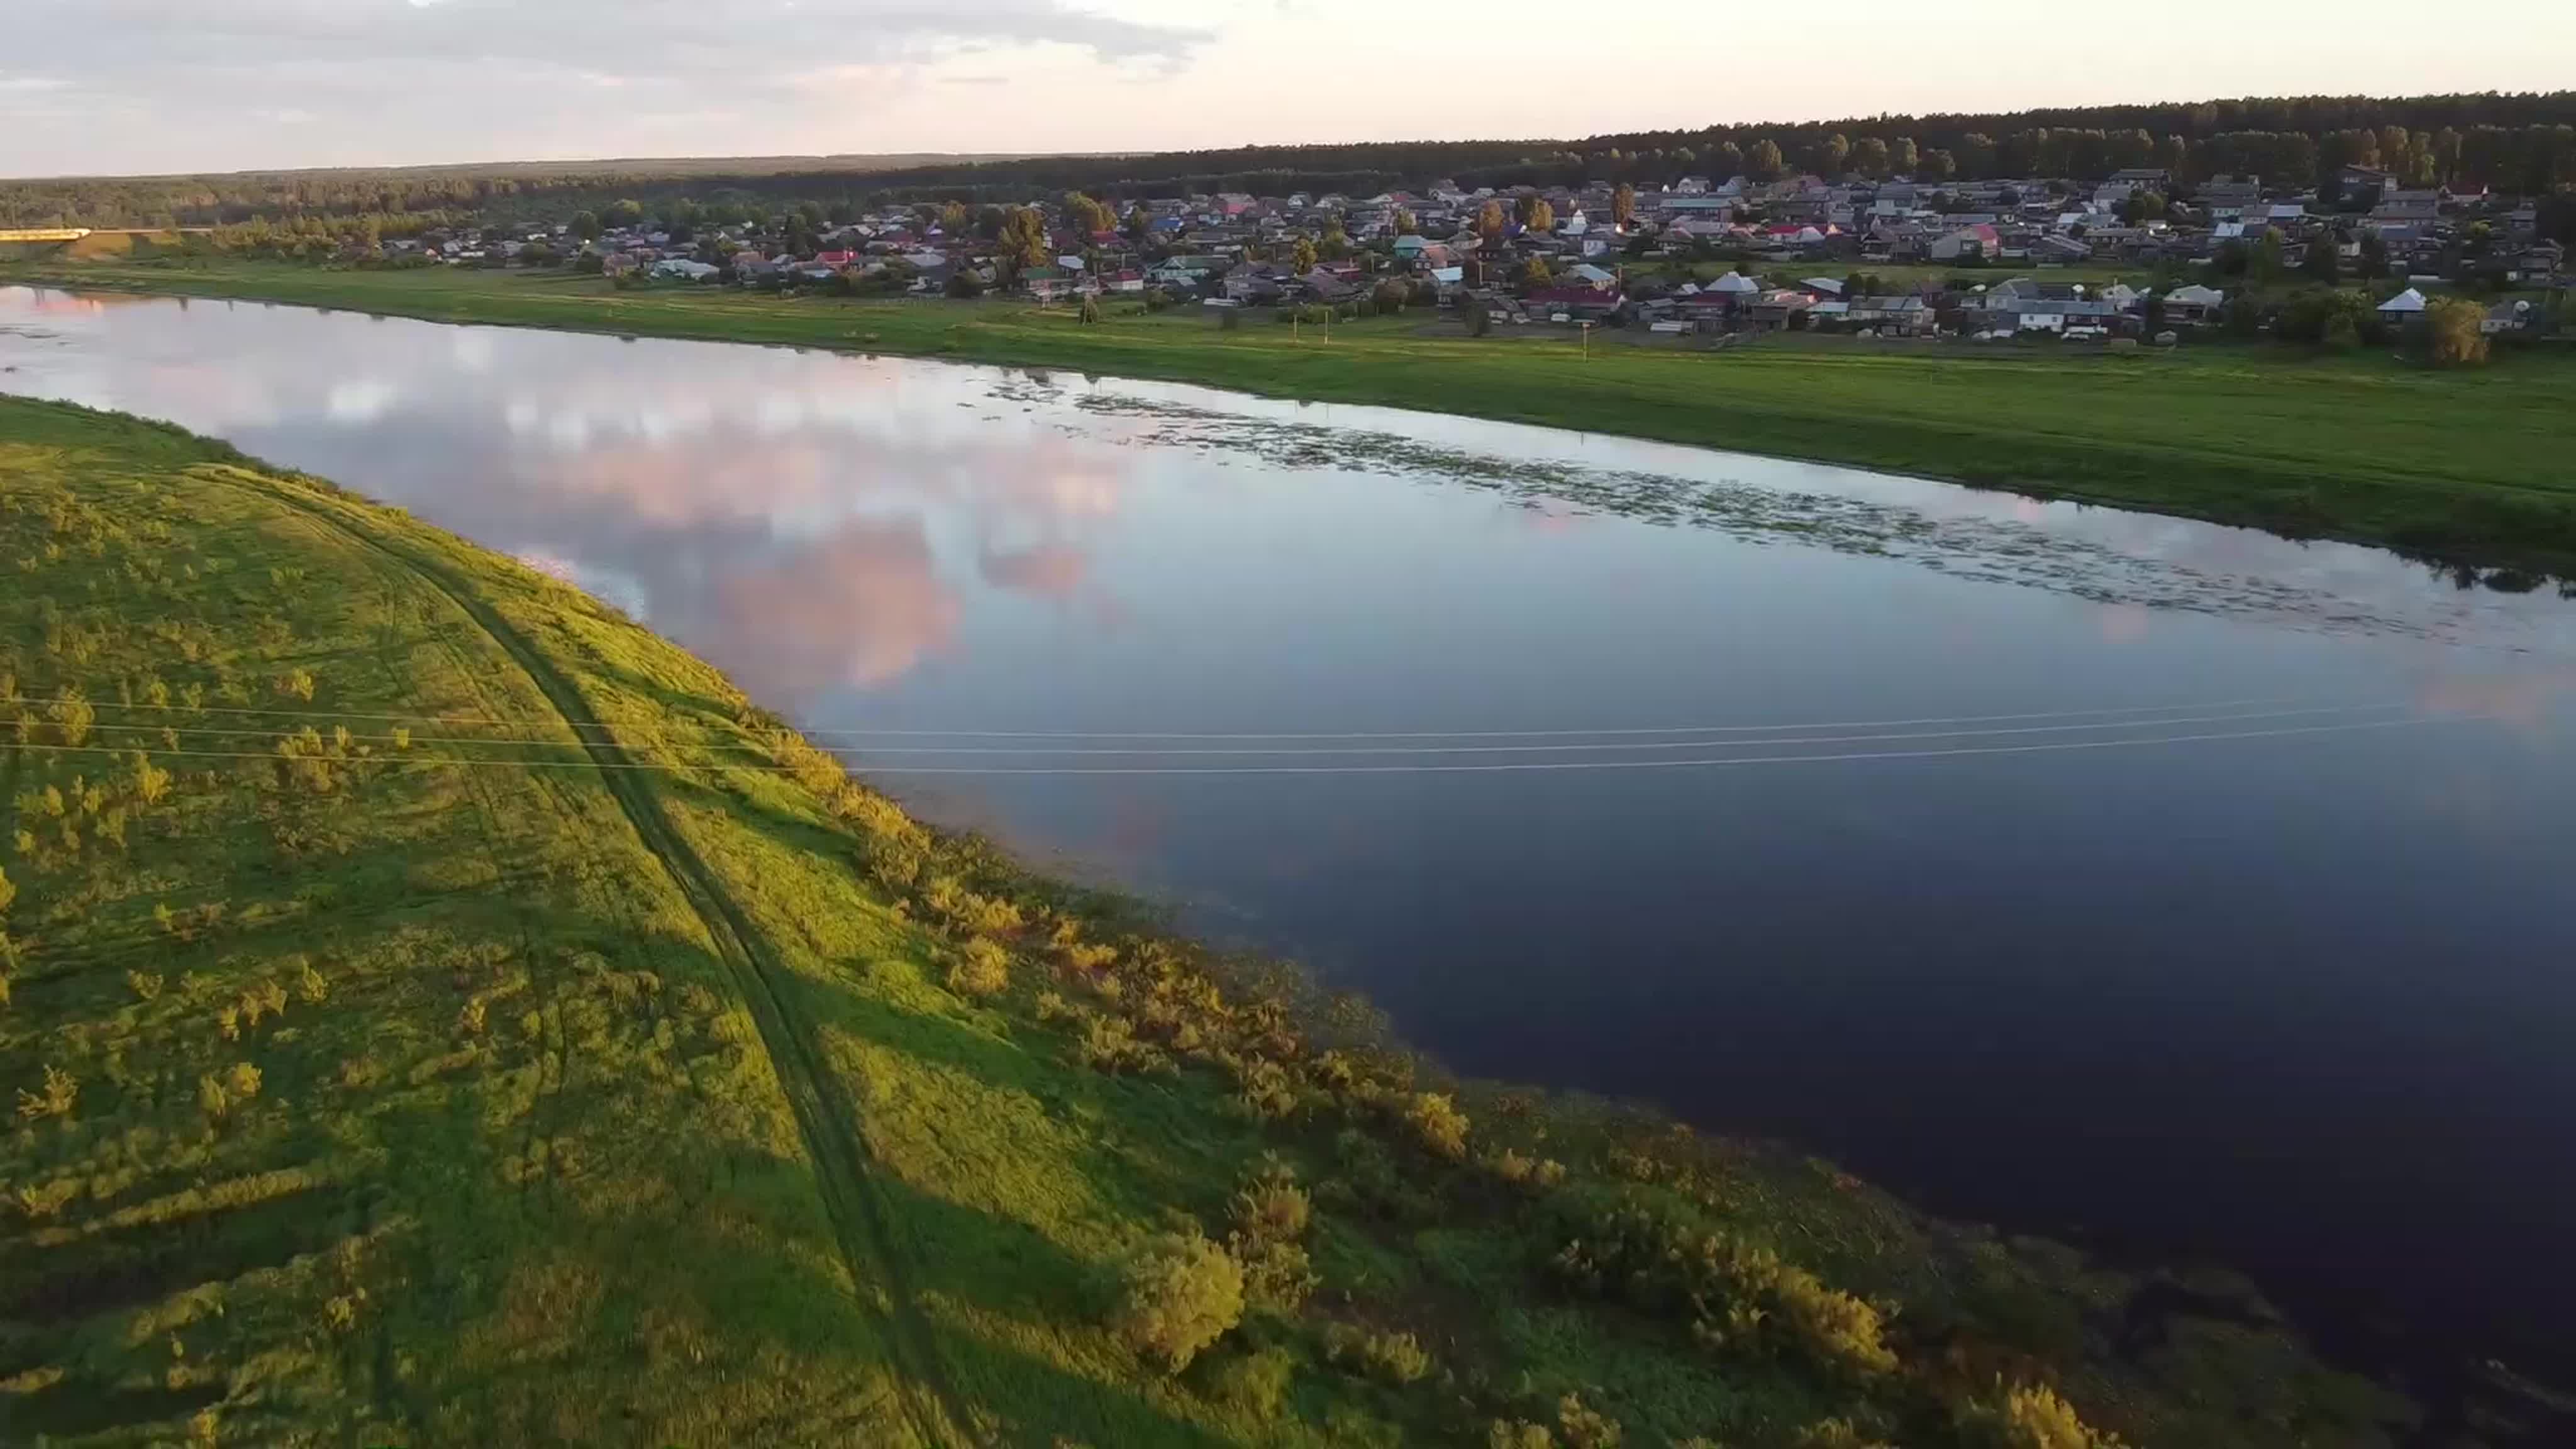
(2467, 465)
(438, 1012)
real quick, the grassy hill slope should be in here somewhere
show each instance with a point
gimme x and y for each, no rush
(438, 1012)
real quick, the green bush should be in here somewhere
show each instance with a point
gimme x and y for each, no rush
(1395, 1358)
(1585, 1428)
(1182, 1293)
(2028, 1416)
(980, 968)
(1438, 1124)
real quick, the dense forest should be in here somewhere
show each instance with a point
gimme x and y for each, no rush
(2516, 143)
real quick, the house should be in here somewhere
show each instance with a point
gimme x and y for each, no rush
(2194, 306)
(1580, 304)
(1909, 316)
(836, 259)
(684, 270)
(1779, 310)
(1588, 275)
(1324, 286)
(2406, 306)
(1980, 240)
(1046, 284)
(2506, 317)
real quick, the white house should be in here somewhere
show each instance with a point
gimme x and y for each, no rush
(2406, 304)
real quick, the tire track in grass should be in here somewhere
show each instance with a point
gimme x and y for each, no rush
(825, 1117)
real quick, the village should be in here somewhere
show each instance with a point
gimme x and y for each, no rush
(2137, 256)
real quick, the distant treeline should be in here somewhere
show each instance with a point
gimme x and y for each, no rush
(2518, 142)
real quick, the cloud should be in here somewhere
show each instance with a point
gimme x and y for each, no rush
(454, 78)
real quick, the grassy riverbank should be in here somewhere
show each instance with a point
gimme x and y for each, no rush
(2469, 465)
(438, 1011)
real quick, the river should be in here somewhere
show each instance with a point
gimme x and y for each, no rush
(2181, 889)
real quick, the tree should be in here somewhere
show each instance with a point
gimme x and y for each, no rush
(623, 213)
(1832, 154)
(1490, 221)
(1405, 225)
(964, 285)
(1301, 257)
(1869, 157)
(1336, 244)
(1623, 206)
(1763, 162)
(2267, 265)
(2373, 261)
(2458, 329)
(585, 225)
(1182, 1293)
(2323, 262)
(1535, 274)
(1140, 222)
(1024, 241)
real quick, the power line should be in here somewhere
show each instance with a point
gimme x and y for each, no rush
(1498, 767)
(863, 732)
(1238, 750)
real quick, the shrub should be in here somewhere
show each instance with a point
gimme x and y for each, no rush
(1835, 1434)
(212, 1099)
(980, 968)
(1396, 1358)
(244, 1081)
(470, 1019)
(1438, 1124)
(1182, 1293)
(1518, 1434)
(72, 716)
(1585, 1428)
(45, 1201)
(1529, 1172)
(1271, 1207)
(2458, 330)
(310, 985)
(1833, 1325)
(146, 984)
(2029, 1416)
(8, 893)
(61, 1091)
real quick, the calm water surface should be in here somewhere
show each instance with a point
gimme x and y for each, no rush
(2192, 891)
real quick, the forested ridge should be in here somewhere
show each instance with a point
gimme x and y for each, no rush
(2513, 142)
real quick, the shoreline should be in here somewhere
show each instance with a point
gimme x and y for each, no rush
(2235, 436)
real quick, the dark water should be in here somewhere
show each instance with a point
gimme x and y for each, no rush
(2180, 888)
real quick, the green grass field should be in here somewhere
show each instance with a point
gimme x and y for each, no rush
(439, 1012)
(2467, 465)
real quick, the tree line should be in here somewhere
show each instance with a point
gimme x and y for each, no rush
(2512, 142)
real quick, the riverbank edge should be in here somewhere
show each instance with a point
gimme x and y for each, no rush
(2523, 534)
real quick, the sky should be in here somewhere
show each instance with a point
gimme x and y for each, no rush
(140, 86)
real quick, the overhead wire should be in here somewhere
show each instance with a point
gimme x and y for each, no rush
(871, 732)
(1488, 767)
(1166, 751)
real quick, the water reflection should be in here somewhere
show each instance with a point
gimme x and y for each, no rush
(2313, 974)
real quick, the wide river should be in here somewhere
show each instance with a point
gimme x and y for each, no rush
(2181, 889)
